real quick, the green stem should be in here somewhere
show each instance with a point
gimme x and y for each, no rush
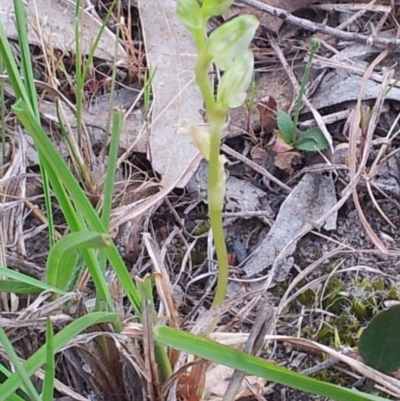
(216, 117)
(203, 82)
(303, 84)
(215, 207)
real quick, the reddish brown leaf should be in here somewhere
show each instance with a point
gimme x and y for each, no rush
(278, 143)
(191, 385)
(267, 111)
(286, 161)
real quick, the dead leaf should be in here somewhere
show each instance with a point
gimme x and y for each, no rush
(286, 161)
(267, 110)
(170, 52)
(312, 198)
(190, 384)
(217, 381)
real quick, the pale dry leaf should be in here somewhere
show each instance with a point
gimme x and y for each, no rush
(53, 22)
(313, 197)
(171, 53)
(285, 161)
(217, 381)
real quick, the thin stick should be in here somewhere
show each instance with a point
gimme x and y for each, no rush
(316, 27)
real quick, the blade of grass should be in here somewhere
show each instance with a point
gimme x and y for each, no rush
(26, 63)
(227, 356)
(16, 287)
(111, 168)
(29, 281)
(11, 67)
(60, 340)
(49, 368)
(148, 81)
(27, 70)
(146, 287)
(62, 258)
(2, 114)
(6, 373)
(110, 178)
(18, 366)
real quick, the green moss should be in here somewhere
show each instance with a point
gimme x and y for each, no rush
(393, 294)
(352, 304)
(307, 298)
(335, 296)
(199, 256)
(202, 228)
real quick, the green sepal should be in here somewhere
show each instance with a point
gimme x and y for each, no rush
(189, 12)
(215, 8)
(228, 41)
(235, 82)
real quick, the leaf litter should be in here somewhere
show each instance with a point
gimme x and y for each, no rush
(281, 223)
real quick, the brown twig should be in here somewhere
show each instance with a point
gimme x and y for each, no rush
(316, 27)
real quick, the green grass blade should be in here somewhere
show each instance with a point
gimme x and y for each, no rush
(29, 281)
(96, 42)
(27, 70)
(227, 356)
(4, 372)
(60, 340)
(49, 367)
(62, 260)
(26, 63)
(16, 287)
(111, 168)
(20, 373)
(2, 113)
(110, 177)
(11, 67)
(148, 81)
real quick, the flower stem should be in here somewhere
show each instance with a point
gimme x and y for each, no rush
(216, 117)
(215, 206)
(303, 84)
